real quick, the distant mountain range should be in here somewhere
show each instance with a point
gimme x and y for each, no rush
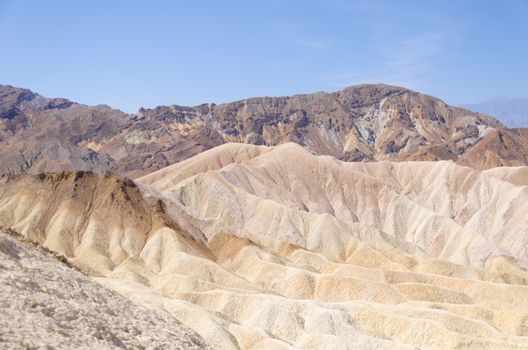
(359, 123)
(512, 111)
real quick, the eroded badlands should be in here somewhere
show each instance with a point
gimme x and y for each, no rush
(259, 247)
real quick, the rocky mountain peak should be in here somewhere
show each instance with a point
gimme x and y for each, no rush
(359, 123)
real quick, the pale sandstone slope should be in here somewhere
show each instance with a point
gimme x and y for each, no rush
(516, 175)
(256, 247)
(445, 210)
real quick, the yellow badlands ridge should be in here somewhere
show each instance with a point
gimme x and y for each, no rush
(275, 248)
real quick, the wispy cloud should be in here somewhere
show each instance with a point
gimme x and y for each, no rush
(299, 36)
(357, 5)
(402, 62)
(403, 41)
(412, 56)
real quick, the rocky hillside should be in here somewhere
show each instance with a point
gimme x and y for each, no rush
(365, 122)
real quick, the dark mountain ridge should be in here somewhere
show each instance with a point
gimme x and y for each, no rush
(358, 123)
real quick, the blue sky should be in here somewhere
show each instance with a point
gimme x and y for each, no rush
(129, 54)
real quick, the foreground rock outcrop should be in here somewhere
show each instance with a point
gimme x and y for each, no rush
(364, 122)
(47, 305)
(273, 247)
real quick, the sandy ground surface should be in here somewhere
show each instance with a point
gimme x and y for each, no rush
(47, 305)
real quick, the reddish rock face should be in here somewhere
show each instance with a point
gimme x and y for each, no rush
(359, 123)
